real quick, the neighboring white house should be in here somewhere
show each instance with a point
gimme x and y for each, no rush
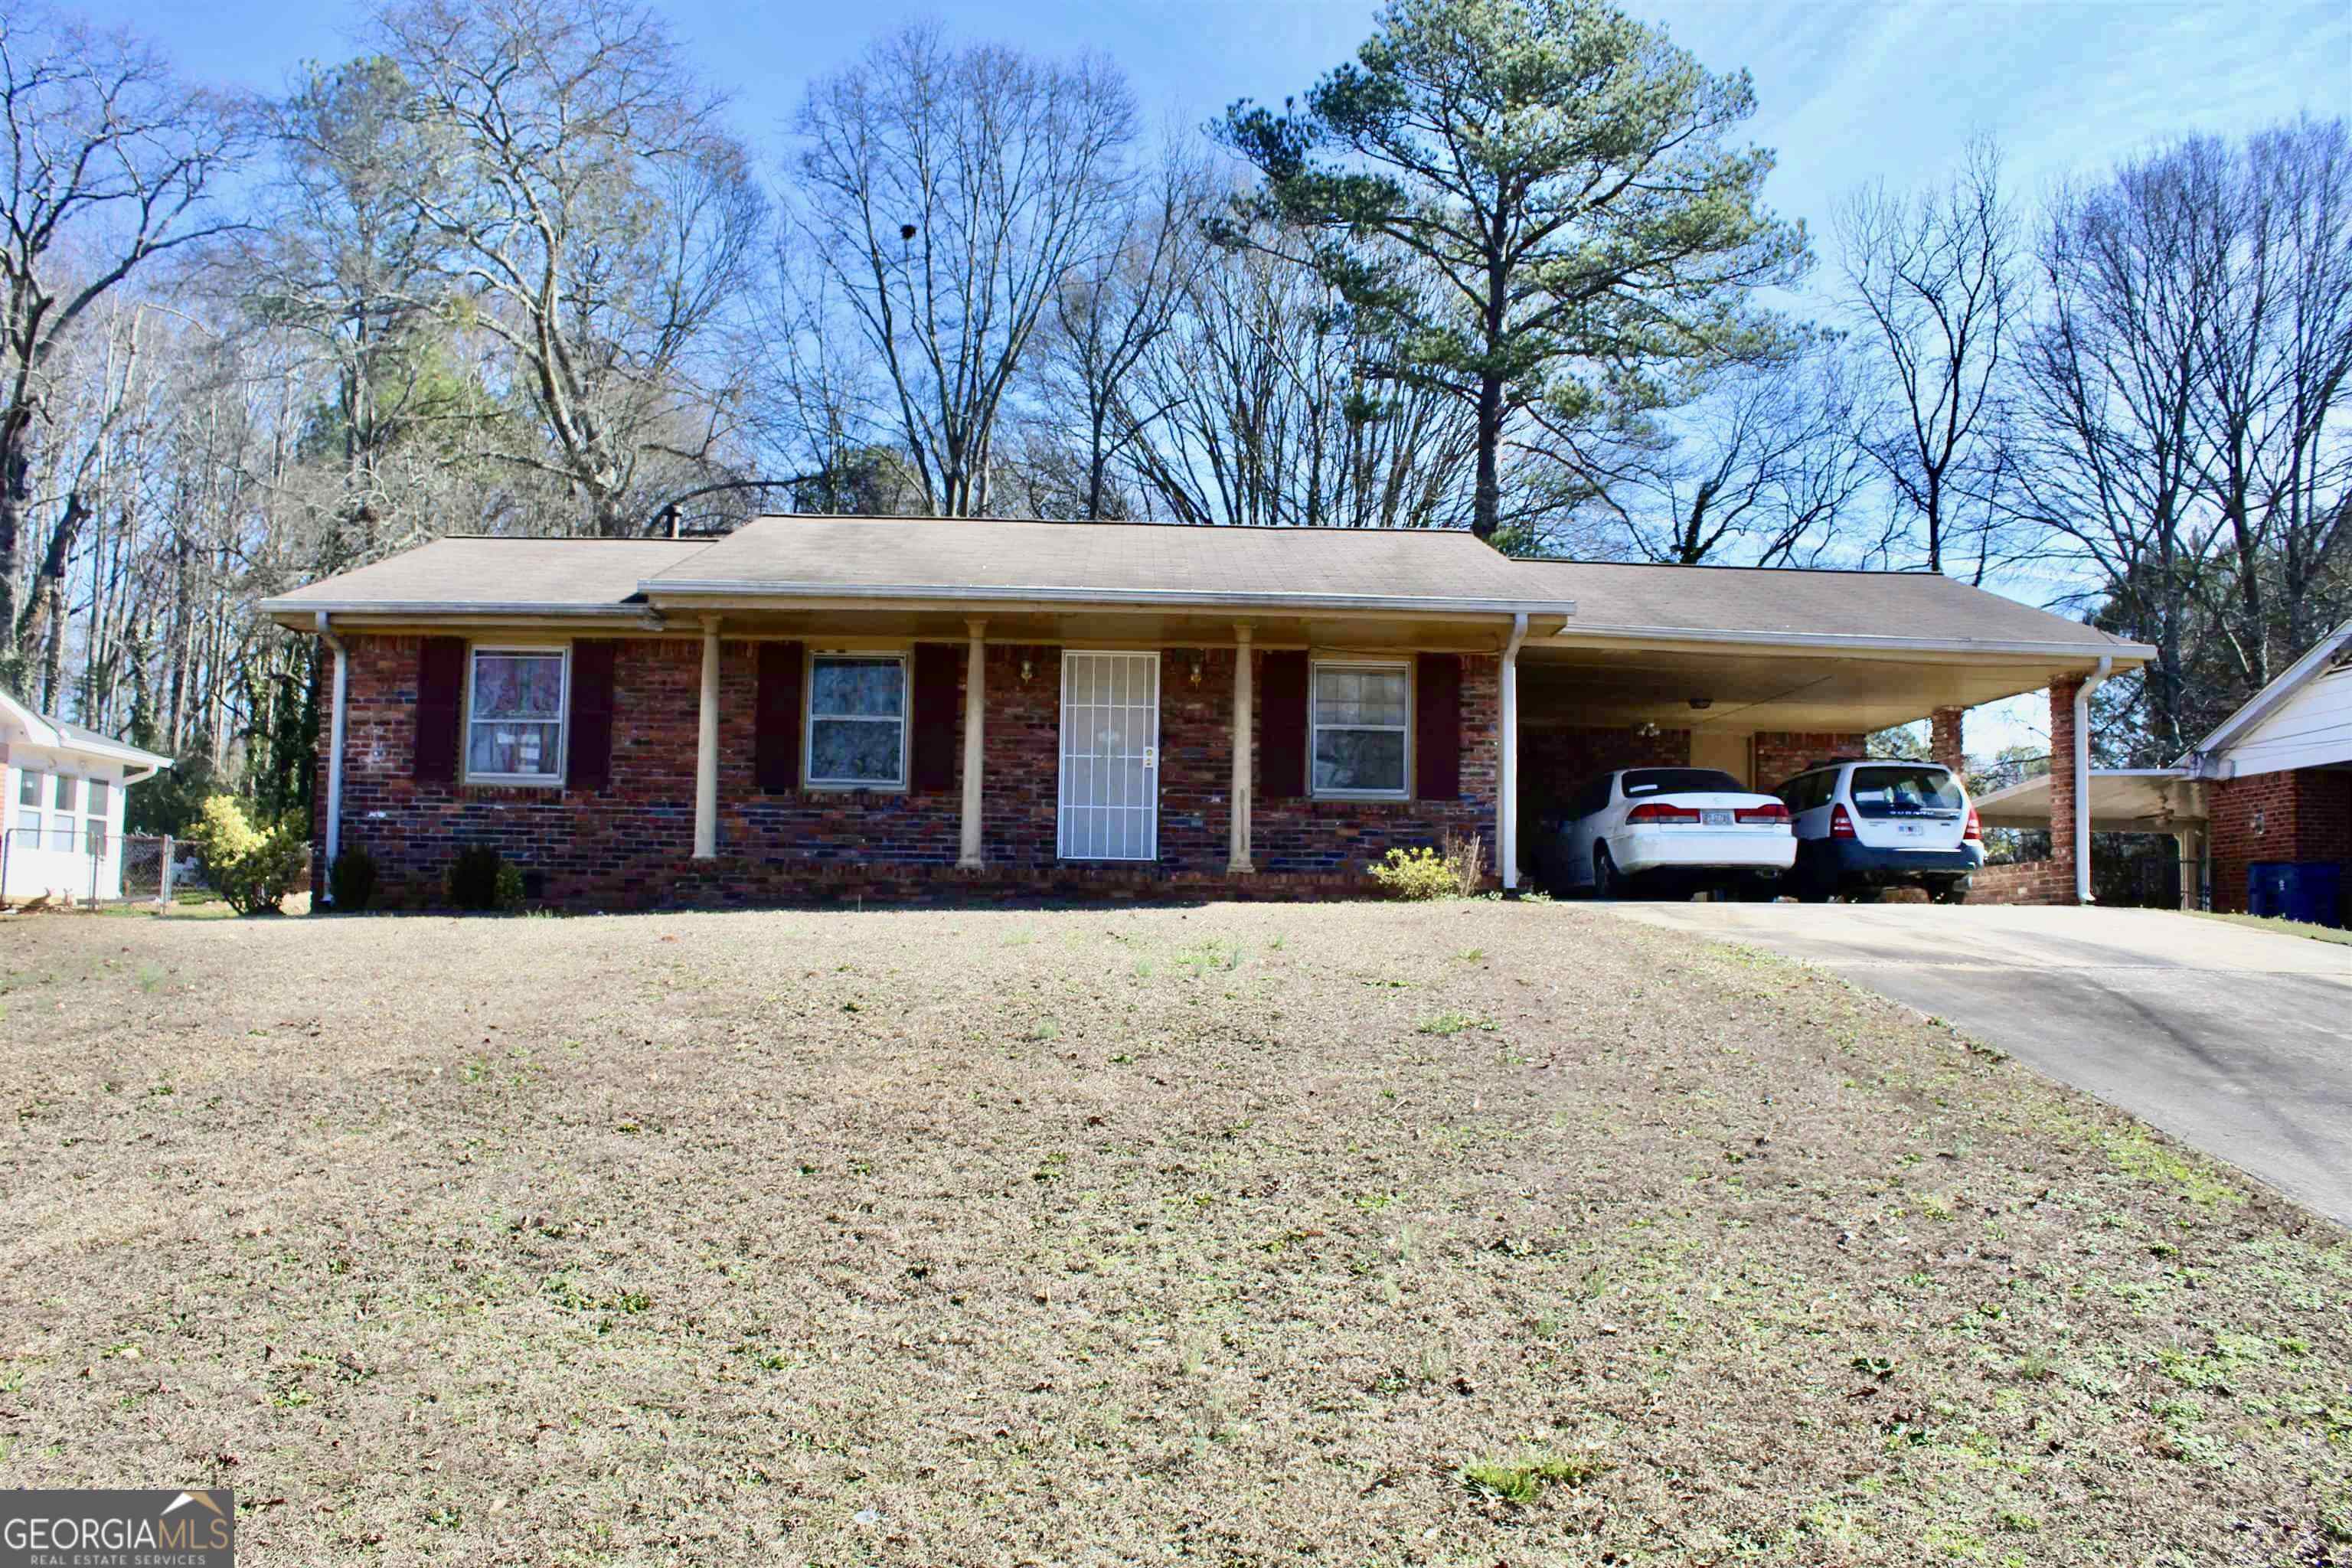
(61, 813)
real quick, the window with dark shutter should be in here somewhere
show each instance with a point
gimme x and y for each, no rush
(1282, 718)
(776, 746)
(440, 703)
(588, 748)
(932, 706)
(1437, 727)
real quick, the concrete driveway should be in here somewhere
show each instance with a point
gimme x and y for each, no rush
(2234, 1039)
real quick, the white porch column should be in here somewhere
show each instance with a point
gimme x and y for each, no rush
(706, 750)
(1237, 846)
(1506, 788)
(975, 720)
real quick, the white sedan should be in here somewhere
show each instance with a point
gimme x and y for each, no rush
(1689, 825)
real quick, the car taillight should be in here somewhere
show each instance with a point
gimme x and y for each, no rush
(1841, 825)
(1775, 811)
(1975, 830)
(1657, 811)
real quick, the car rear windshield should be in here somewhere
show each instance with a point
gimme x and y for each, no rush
(1903, 790)
(1681, 781)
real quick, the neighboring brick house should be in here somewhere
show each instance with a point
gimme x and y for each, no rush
(2277, 776)
(787, 713)
(2272, 783)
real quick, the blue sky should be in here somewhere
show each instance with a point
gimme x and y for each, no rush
(1847, 92)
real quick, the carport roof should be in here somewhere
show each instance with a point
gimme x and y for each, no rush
(1781, 604)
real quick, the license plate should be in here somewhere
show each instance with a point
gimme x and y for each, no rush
(1715, 818)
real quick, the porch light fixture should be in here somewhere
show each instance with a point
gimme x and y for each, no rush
(1647, 728)
(1196, 669)
(1701, 704)
(1027, 669)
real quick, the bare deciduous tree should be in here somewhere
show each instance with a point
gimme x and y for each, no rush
(950, 191)
(600, 223)
(1938, 280)
(109, 161)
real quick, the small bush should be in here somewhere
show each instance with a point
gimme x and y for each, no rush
(480, 878)
(353, 880)
(1455, 869)
(252, 868)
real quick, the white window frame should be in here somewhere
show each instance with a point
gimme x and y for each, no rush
(904, 720)
(554, 779)
(1314, 666)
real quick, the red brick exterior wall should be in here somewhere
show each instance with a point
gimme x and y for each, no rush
(2022, 882)
(629, 846)
(1555, 760)
(2061, 782)
(2303, 814)
(1948, 739)
(1781, 754)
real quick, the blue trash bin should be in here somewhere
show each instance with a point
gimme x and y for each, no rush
(2307, 891)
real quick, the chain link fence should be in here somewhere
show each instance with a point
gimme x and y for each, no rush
(80, 866)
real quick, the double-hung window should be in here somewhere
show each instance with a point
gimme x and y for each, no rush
(100, 803)
(28, 809)
(514, 717)
(61, 817)
(857, 722)
(1362, 718)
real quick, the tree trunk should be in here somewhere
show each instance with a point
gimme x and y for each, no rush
(1487, 510)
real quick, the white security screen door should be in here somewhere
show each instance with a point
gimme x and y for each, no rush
(1110, 756)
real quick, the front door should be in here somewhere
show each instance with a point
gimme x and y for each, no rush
(1110, 756)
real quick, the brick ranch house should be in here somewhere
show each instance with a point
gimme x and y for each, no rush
(819, 708)
(2273, 783)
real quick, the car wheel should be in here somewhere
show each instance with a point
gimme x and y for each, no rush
(1606, 882)
(1952, 892)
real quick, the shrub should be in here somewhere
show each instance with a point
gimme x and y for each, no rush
(1455, 869)
(480, 878)
(352, 879)
(252, 868)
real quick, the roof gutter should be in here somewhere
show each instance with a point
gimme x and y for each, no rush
(1582, 630)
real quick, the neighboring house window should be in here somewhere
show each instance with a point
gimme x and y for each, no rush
(857, 722)
(1360, 716)
(61, 821)
(99, 804)
(514, 730)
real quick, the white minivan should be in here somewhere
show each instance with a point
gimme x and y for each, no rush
(1866, 826)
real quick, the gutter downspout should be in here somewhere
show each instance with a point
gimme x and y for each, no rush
(2083, 776)
(1507, 797)
(339, 709)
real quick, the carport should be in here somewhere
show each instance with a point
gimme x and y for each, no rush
(1760, 671)
(2120, 800)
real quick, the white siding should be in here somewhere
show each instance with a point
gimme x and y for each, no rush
(2311, 728)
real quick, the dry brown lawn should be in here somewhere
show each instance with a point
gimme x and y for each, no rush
(1476, 1234)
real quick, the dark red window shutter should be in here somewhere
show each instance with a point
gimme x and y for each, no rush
(776, 748)
(588, 748)
(440, 705)
(1437, 727)
(1282, 725)
(931, 719)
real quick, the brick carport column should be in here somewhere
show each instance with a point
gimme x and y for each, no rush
(1947, 740)
(2063, 782)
